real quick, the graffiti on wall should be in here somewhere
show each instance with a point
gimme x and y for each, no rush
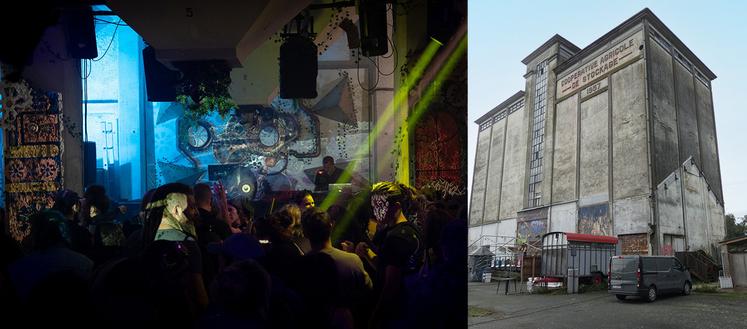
(634, 244)
(32, 154)
(439, 146)
(595, 220)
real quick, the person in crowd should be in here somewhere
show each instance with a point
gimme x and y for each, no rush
(351, 221)
(354, 283)
(318, 288)
(283, 252)
(241, 297)
(101, 216)
(294, 211)
(133, 229)
(245, 211)
(328, 174)
(50, 240)
(172, 258)
(305, 200)
(399, 253)
(136, 223)
(433, 225)
(67, 202)
(210, 228)
(238, 247)
(232, 219)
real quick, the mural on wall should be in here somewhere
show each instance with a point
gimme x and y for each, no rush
(531, 225)
(595, 220)
(260, 149)
(32, 153)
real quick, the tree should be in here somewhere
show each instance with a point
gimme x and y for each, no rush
(734, 229)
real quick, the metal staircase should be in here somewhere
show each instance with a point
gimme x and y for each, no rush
(700, 264)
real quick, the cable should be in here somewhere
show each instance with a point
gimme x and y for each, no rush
(110, 42)
(110, 22)
(358, 74)
(85, 102)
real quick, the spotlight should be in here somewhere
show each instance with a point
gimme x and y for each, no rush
(246, 188)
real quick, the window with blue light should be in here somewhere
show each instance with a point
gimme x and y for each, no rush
(113, 103)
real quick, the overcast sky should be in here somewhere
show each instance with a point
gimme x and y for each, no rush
(502, 33)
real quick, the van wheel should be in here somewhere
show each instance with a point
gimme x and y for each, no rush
(687, 289)
(620, 297)
(651, 296)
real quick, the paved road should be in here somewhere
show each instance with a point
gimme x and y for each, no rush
(601, 310)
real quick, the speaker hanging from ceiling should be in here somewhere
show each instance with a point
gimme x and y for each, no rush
(372, 16)
(160, 81)
(80, 33)
(298, 62)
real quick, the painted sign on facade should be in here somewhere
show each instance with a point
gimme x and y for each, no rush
(595, 220)
(594, 89)
(611, 60)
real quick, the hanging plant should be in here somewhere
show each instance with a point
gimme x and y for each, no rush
(204, 88)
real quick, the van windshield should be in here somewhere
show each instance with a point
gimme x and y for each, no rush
(624, 265)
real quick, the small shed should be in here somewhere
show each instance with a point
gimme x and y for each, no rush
(587, 253)
(734, 260)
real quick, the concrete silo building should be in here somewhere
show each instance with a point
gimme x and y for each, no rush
(614, 139)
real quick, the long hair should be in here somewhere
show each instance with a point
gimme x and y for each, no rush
(153, 216)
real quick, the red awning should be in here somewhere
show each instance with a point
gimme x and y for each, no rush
(590, 238)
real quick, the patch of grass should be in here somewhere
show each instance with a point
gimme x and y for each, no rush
(706, 288)
(475, 311)
(733, 295)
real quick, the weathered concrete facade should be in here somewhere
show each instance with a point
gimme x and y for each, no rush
(618, 139)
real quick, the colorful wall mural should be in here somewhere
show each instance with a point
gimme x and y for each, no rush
(595, 220)
(531, 225)
(266, 148)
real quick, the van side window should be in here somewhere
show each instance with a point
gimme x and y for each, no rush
(663, 264)
(676, 264)
(649, 264)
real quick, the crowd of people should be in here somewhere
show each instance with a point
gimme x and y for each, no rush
(390, 257)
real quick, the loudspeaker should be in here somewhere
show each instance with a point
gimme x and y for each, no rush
(372, 20)
(160, 81)
(89, 163)
(444, 17)
(80, 33)
(298, 67)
